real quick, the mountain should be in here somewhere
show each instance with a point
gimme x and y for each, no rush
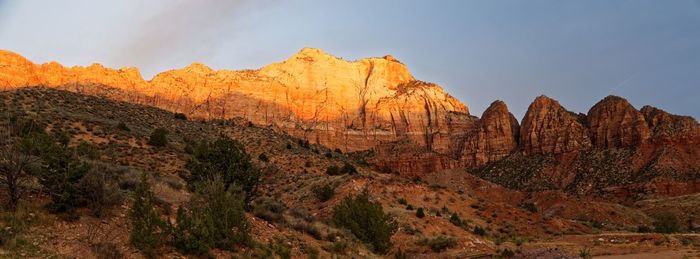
(312, 95)
(407, 126)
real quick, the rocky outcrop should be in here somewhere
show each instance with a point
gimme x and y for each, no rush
(312, 95)
(665, 126)
(548, 128)
(494, 137)
(614, 122)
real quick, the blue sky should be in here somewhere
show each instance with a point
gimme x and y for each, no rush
(574, 51)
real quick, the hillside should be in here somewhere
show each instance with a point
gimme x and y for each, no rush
(512, 220)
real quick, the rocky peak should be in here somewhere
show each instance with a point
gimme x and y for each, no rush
(548, 128)
(494, 137)
(663, 124)
(614, 122)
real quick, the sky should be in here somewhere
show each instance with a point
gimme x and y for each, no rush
(577, 52)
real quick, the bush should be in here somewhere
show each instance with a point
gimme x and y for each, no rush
(99, 191)
(479, 231)
(442, 243)
(87, 150)
(148, 230)
(269, 209)
(217, 220)
(643, 229)
(60, 173)
(324, 192)
(226, 159)
(280, 248)
(529, 206)
(366, 220)
(107, 250)
(455, 220)
(333, 170)
(420, 213)
(159, 137)
(123, 126)
(263, 157)
(403, 201)
(666, 222)
(180, 116)
(348, 169)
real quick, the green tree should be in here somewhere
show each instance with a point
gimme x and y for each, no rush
(148, 230)
(159, 137)
(216, 220)
(366, 220)
(225, 159)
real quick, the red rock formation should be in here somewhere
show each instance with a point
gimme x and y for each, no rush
(312, 95)
(614, 122)
(495, 136)
(665, 126)
(548, 128)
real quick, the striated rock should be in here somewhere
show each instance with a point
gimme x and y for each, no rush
(494, 137)
(614, 122)
(408, 159)
(666, 126)
(312, 95)
(548, 128)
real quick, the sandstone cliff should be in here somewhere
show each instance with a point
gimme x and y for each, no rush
(548, 128)
(615, 123)
(494, 136)
(312, 95)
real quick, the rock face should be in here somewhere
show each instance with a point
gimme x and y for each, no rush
(548, 128)
(413, 127)
(665, 126)
(615, 123)
(312, 95)
(494, 136)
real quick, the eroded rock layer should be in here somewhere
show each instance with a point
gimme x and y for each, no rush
(312, 95)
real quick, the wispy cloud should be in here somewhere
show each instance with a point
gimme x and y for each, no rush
(183, 28)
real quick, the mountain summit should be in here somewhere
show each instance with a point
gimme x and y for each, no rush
(351, 105)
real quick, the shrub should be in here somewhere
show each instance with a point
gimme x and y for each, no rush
(643, 229)
(263, 157)
(507, 253)
(148, 230)
(584, 253)
(289, 146)
(269, 209)
(107, 250)
(217, 220)
(99, 191)
(442, 243)
(333, 170)
(87, 150)
(366, 220)
(666, 222)
(123, 126)
(186, 234)
(529, 206)
(159, 137)
(324, 192)
(180, 116)
(280, 248)
(479, 230)
(454, 219)
(226, 159)
(403, 201)
(348, 169)
(420, 213)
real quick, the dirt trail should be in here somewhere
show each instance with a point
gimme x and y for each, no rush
(670, 254)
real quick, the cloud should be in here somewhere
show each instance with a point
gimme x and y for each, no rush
(183, 29)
